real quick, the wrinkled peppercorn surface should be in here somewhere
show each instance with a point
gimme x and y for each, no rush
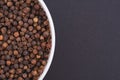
(25, 40)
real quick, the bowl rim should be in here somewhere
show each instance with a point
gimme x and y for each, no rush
(42, 3)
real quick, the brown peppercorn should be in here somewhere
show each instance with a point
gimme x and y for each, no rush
(28, 70)
(16, 66)
(30, 75)
(25, 19)
(32, 15)
(15, 52)
(42, 67)
(24, 75)
(35, 24)
(25, 67)
(34, 31)
(3, 30)
(43, 44)
(10, 52)
(11, 37)
(46, 23)
(18, 39)
(27, 36)
(15, 23)
(22, 33)
(38, 27)
(48, 45)
(24, 30)
(44, 62)
(35, 19)
(41, 38)
(18, 18)
(46, 34)
(30, 28)
(37, 35)
(20, 59)
(20, 78)
(35, 51)
(23, 38)
(8, 63)
(36, 6)
(33, 61)
(35, 47)
(18, 27)
(10, 15)
(38, 48)
(30, 21)
(16, 34)
(12, 71)
(28, 1)
(8, 41)
(43, 29)
(30, 49)
(5, 45)
(46, 56)
(1, 37)
(19, 71)
(26, 10)
(38, 56)
(9, 4)
(26, 25)
(34, 73)
(35, 78)
(20, 23)
(21, 65)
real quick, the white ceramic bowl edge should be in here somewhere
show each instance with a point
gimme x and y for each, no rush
(53, 39)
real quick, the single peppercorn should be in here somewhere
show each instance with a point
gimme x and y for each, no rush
(36, 6)
(3, 30)
(1, 37)
(34, 73)
(8, 62)
(16, 34)
(33, 61)
(5, 45)
(38, 56)
(26, 10)
(43, 62)
(15, 52)
(28, 1)
(35, 51)
(35, 19)
(25, 67)
(30, 28)
(38, 27)
(9, 4)
(30, 21)
(20, 23)
(20, 78)
(24, 75)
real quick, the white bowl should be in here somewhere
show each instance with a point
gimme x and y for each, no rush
(53, 39)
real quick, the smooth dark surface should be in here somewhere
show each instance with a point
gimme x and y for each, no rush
(87, 40)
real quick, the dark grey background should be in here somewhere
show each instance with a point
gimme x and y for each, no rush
(88, 40)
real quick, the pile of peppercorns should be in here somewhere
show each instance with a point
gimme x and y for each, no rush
(25, 40)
